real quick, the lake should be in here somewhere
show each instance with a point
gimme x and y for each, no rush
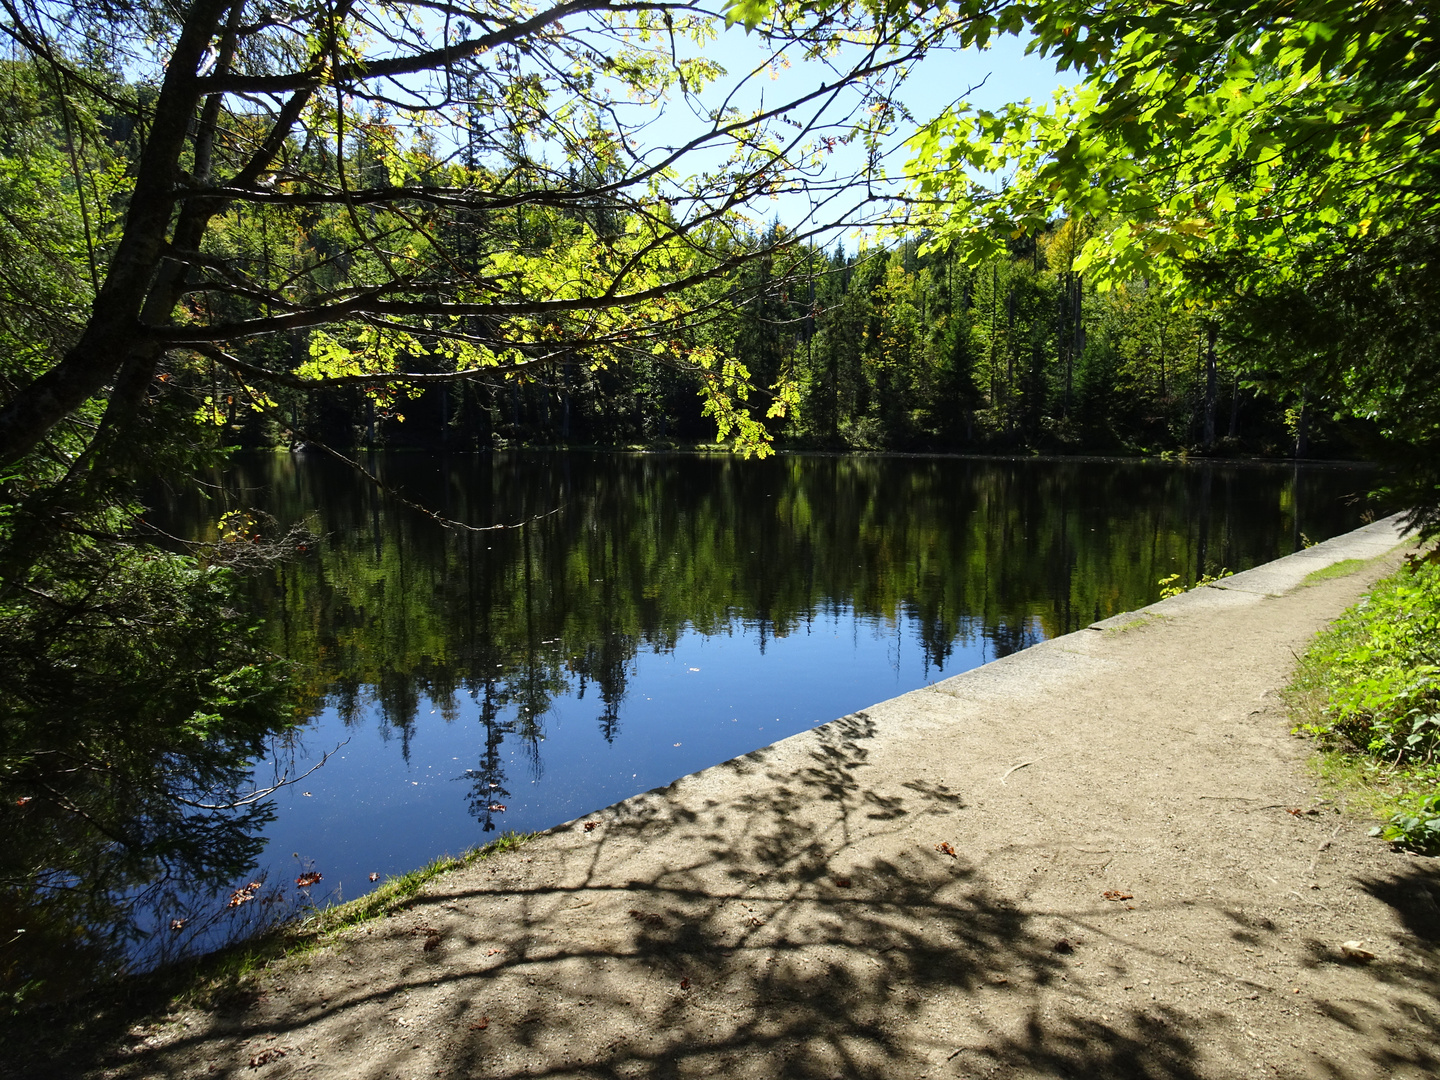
(643, 616)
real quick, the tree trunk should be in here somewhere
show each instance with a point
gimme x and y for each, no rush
(113, 339)
(1302, 425)
(1211, 331)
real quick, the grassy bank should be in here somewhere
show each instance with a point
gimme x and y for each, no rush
(1368, 690)
(223, 970)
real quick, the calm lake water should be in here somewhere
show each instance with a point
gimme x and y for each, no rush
(651, 615)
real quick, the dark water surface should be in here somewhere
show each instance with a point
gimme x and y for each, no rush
(652, 615)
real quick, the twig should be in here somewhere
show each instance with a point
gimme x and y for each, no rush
(1231, 798)
(1013, 768)
(258, 793)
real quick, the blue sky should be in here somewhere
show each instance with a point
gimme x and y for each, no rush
(986, 79)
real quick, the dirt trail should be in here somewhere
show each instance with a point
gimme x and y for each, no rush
(1131, 894)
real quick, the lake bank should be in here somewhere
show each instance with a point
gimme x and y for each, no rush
(1079, 858)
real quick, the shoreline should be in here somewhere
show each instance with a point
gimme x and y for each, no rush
(1164, 457)
(1101, 855)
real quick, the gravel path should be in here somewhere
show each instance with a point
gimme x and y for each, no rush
(1103, 857)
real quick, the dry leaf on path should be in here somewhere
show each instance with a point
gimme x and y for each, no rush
(1116, 894)
(945, 848)
(1355, 950)
(591, 825)
(481, 1024)
(266, 1056)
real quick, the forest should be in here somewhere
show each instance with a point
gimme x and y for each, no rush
(290, 225)
(897, 347)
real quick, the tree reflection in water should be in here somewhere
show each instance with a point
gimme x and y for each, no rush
(618, 564)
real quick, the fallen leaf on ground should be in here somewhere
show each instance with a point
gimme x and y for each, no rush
(843, 882)
(266, 1056)
(590, 825)
(432, 941)
(481, 1024)
(684, 984)
(944, 847)
(1355, 950)
(1064, 946)
(308, 878)
(493, 952)
(1294, 810)
(1116, 894)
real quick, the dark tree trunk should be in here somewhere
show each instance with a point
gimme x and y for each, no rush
(1302, 426)
(114, 342)
(1235, 408)
(1211, 331)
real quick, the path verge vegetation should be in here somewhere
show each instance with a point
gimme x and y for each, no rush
(1367, 690)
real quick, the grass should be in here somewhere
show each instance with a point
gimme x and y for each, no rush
(1362, 784)
(1141, 619)
(1343, 568)
(222, 972)
(1368, 691)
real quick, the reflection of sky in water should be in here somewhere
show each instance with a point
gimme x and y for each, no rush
(712, 698)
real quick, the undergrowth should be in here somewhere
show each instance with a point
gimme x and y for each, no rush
(1368, 690)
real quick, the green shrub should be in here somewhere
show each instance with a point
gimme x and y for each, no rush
(1369, 688)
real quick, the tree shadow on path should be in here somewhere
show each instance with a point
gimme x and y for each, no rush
(777, 918)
